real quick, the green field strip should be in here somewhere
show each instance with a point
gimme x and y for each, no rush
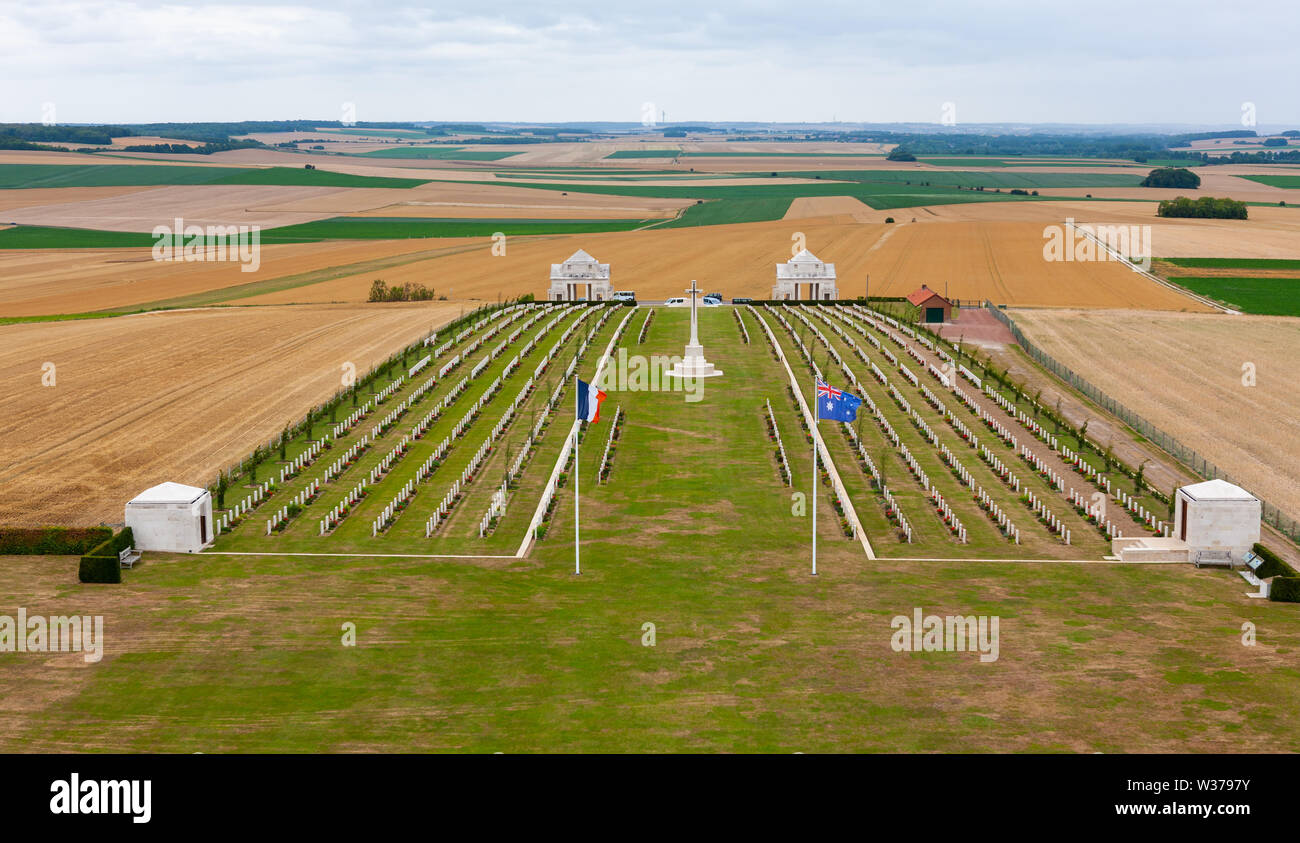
(347, 478)
(1273, 180)
(1234, 263)
(1265, 296)
(25, 176)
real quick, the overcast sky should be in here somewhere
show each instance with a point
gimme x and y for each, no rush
(555, 60)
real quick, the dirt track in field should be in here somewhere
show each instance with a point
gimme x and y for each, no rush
(1183, 373)
(139, 400)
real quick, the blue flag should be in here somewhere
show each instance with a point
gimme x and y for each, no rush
(836, 404)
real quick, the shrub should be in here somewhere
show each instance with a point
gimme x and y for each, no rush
(51, 541)
(101, 564)
(100, 569)
(1272, 566)
(1285, 590)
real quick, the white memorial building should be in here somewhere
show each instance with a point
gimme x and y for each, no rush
(805, 268)
(171, 516)
(1215, 522)
(580, 274)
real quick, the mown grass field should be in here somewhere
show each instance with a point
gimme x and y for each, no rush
(1267, 296)
(15, 176)
(1276, 180)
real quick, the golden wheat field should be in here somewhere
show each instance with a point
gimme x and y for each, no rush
(999, 261)
(175, 395)
(1184, 374)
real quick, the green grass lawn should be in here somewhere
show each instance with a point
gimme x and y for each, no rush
(14, 176)
(1276, 180)
(1234, 263)
(1269, 296)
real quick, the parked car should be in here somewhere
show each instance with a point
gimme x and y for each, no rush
(624, 295)
(742, 301)
(708, 302)
(677, 301)
(713, 298)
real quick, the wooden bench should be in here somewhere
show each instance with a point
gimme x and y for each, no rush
(128, 557)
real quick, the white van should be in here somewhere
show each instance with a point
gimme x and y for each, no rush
(623, 295)
(676, 302)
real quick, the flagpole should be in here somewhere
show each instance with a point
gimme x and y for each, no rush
(816, 433)
(577, 561)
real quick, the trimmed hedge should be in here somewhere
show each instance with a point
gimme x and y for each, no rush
(51, 541)
(101, 564)
(1285, 590)
(1272, 566)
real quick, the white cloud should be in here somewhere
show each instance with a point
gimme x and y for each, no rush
(1003, 60)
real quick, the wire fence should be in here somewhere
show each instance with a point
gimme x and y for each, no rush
(1198, 464)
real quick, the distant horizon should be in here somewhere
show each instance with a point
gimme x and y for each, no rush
(902, 127)
(1110, 64)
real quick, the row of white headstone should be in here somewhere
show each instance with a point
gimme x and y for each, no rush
(301, 461)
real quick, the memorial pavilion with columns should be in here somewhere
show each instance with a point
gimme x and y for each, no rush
(580, 277)
(805, 268)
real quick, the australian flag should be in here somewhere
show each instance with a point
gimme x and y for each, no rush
(836, 404)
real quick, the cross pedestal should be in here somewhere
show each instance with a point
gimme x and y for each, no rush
(693, 364)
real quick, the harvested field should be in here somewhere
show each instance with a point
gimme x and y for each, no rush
(825, 206)
(170, 396)
(35, 197)
(1183, 373)
(999, 261)
(47, 281)
(259, 205)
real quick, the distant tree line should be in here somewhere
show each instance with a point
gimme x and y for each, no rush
(1207, 207)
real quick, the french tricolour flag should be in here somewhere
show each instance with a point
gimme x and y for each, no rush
(589, 398)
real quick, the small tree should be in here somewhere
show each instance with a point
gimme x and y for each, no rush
(222, 484)
(1083, 432)
(310, 423)
(1108, 457)
(1139, 476)
(284, 442)
(1038, 397)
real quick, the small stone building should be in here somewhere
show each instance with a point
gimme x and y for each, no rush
(935, 308)
(1217, 516)
(171, 516)
(581, 276)
(805, 268)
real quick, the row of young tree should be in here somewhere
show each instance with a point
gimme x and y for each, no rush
(1207, 207)
(380, 291)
